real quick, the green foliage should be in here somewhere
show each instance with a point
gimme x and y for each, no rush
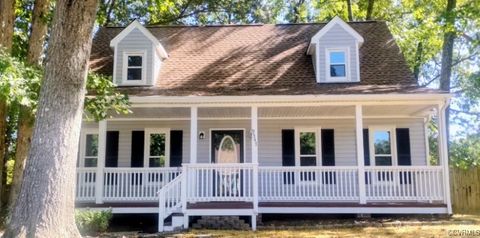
(104, 98)
(19, 83)
(92, 222)
(465, 152)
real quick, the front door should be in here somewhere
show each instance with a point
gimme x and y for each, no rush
(227, 148)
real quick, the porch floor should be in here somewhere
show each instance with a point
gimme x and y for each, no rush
(249, 205)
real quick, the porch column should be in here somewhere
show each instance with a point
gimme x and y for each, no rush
(443, 154)
(254, 128)
(360, 156)
(193, 134)
(254, 140)
(102, 144)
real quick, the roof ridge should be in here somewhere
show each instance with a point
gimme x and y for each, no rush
(246, 25)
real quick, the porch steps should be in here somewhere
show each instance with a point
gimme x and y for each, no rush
(221, 222)
(175, 222)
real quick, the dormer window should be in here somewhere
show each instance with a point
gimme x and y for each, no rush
(134, 68)
(337, 66)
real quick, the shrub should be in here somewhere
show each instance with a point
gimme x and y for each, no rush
(92, 222)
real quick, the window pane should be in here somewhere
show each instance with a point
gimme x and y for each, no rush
(382, 142)
(337, 57)
(134, 60)
(90, 162)
(91, 145)
(134, 74)
(383, 160)
(337, 70)
(308, 161)
(157, 144)
(307, 143)
(157, 162)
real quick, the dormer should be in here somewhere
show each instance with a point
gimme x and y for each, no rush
(138, 56)
(335, 53)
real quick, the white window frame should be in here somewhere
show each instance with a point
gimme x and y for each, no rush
(318, 145)
(83, 145)
(125, 80)
(393, 144)
(146, 153)
(346, 51)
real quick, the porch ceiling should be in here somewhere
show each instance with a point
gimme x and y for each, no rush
(340, 111)
(398, 110)
(321, 111)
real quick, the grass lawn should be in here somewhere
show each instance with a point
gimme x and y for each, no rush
(440, 228)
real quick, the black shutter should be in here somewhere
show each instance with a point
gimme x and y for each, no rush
(288, 154)
(403, 153)
(176, 145)
(328, 147)
(111, 154)
(403, 146)
(138, 138)
(366, 147)
(366, 154)
(328, 155)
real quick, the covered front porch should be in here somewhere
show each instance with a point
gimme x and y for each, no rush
(307, 151)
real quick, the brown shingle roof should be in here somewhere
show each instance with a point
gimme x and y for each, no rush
(260, 60)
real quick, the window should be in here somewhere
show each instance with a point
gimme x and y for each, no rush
(308, 155)
(89, 150)
(337, 66)
(134, 68)
(382, 147)
(306, 144)
(156, 146)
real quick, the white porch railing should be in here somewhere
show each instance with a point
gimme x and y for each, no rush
(403, 183)
(219, 182)
(170, 197)
(85, 184)
(308, 183)
(136, 184)
(236, 182)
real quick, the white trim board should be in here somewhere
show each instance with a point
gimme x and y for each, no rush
(353, 210)
(335, 21)
(136, 25)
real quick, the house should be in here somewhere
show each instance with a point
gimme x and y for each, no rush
(262, 119)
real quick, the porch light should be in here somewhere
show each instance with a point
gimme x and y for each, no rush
(201, 135)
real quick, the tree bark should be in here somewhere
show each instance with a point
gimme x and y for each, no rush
(7, 17)
(370, 5)
(45, 206)
(39, 31)
(447, 54)
(26, 117)
(349, 9)
(418, 59)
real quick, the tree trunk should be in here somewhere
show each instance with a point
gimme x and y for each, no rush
(370, 9)
(39, 31)
(7, 17)
(349, 9)
(418, 60)
(447, 54)
(45, 206)
(26, 118)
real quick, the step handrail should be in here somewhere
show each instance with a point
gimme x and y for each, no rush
(170, 198)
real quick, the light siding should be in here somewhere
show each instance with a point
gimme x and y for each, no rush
(269, 137)
(337, 37)
(135, 41)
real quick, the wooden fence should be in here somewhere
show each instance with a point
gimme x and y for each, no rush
(465, 190)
